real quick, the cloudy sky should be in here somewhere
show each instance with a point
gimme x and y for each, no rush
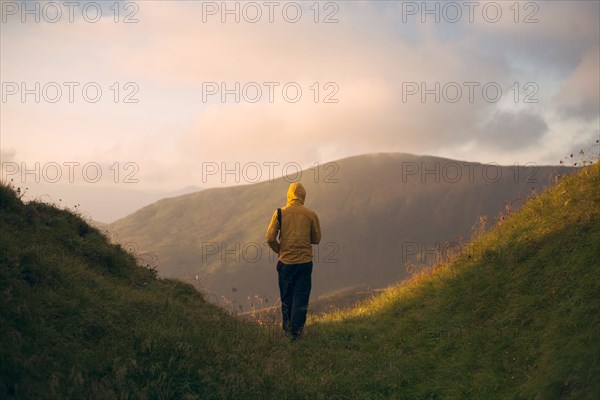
(162, 91)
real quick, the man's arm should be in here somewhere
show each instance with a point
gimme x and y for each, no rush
(315, 230)
(272, 232)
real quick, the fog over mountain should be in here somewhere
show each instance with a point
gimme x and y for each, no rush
(101, 203)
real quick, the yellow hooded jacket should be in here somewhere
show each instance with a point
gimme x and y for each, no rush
(300, 229)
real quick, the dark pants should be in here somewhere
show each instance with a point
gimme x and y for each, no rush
(294, 288)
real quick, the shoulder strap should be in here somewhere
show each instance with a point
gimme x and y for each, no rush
(279, 220)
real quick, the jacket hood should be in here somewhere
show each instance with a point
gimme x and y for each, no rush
(296, 194)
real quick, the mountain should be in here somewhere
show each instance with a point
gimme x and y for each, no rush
(516, 316)
(378, 213)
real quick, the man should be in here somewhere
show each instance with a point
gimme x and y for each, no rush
(298, 231)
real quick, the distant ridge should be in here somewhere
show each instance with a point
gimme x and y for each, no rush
(379, 212)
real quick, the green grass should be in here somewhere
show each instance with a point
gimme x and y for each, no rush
(515, 316)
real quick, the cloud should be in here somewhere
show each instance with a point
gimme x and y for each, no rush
(579, 95)
(370, 58)
(509, 131)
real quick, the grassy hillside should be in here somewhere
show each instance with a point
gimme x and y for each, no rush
(80, 319)
(374, 210)
(516, 315)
